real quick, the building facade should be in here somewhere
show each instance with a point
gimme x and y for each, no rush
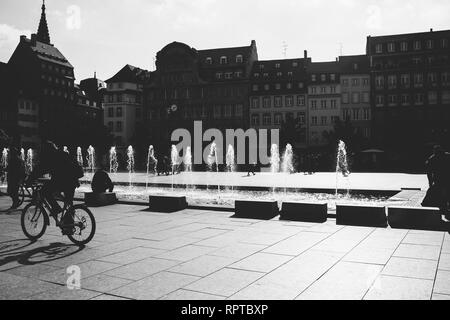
(42, 96)
(123, 104)
(324, 101)
(410, 76)
(191, 85)
(278, 94)
(355, 90)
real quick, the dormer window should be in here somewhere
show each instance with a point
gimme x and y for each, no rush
(239, 58)
(209, 60)
(261, 66)
(277, 66)
(223, 60)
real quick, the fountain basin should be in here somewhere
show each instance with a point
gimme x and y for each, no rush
(100, 199)
(167, 203)
(304, 212)
(363, 216)
(419, 218)
(261, 210)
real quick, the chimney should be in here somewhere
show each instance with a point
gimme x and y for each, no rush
(305, 54)
(253, 43)
(431, 30)
(33, 39)
(23, 38)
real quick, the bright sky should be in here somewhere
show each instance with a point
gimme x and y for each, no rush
(104, 35)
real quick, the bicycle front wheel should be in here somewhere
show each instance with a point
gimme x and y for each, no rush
(84, 225)
(33, 221)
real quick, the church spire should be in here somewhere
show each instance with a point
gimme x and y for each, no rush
(43, 34)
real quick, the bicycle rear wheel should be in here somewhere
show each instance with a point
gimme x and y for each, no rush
(33, 221)
(84, 225)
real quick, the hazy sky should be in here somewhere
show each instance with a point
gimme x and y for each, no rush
(104, 35)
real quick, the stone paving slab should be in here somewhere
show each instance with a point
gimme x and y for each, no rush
(199, 255)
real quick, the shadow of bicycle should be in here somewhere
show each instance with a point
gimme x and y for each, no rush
(15, 251)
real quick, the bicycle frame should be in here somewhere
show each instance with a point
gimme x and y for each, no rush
(38, 198)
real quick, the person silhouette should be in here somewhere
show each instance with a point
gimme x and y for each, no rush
(438, 173)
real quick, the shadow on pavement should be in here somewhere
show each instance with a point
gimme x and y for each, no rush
(13, 252)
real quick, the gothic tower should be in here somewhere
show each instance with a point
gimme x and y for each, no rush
(43, 34)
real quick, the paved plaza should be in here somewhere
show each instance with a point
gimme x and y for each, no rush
(199, 255)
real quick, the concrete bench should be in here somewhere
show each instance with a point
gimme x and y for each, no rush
(304, 212)
(261, 210)
(420, 218)
(167, 203)
(361, 216)
(100, 199)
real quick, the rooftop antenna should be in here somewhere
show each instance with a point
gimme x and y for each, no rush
(341, 48)
(285, 47)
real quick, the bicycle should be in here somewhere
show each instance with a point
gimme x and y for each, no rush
(24, 192)
(35, 219)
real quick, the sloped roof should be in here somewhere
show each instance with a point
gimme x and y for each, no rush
(324, 67)
(129, 73)
(46, 52)
(354, 64)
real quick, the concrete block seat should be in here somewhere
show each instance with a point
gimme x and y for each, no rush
(304, 212)
(167, 204)
(419, 218)
(100, 199)
(361, 216)
(261, 210)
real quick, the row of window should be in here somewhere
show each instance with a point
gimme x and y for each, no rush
(324, 104)
(201, 93)
(276, 119)
(117, 128)
(224, 59)
(278, 86)
(277, 65)
(356, 82)
(121, 85)
(416, 45)
(278, 74)
(322, 90)
(323, 120)
(58, 93)
(229, 75)
(27, 105)
(323, 77)
(356, 97)
(278, 102)
(57, 69)
(57, 80)
(356, 114)
(417, 99)
(405, 80)
(118, 112)
(127, 98)
(218, 112)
